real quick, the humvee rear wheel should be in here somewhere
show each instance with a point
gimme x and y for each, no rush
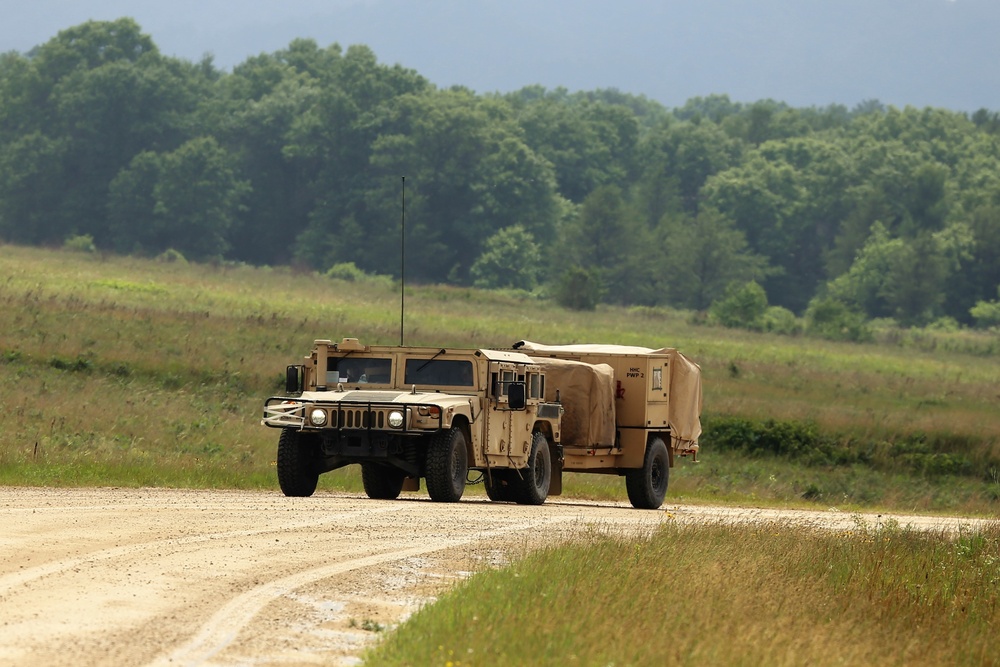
(298, 465)
(499, 485)
(447, 466)
(647, 486)
(382, 482)
(537, 477)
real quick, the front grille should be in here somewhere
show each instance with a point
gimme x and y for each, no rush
(360, 418)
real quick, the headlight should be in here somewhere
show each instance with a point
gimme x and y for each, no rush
(396, 419)
(318, 417)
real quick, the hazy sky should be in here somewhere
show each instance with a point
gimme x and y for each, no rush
(804, 52)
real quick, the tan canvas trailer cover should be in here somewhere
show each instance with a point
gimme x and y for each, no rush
(643, 400)
(587, 393)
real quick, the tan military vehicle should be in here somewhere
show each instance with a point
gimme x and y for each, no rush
(406, 413)
(514, 419)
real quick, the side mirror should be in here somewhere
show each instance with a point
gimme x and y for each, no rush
(293, 384)
(515, 396)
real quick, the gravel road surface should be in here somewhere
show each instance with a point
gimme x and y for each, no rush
(180, 577)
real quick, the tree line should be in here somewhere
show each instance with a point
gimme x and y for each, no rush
(297, 157)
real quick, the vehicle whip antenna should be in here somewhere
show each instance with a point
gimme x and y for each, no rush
(402, 260)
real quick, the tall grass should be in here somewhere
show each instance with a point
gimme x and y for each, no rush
(767, 594)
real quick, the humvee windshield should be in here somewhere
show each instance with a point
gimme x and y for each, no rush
(444, 372)
(358, 370)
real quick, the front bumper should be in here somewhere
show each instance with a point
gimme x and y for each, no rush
(283, 412)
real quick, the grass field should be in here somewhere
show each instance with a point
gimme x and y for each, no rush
(767, 594)
(131, 372)
(126, 372)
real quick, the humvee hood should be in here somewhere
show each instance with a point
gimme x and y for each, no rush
(377, 396)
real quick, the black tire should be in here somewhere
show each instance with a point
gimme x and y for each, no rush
(382, 482)
(647, 486)
(501, 489)
(298, 464)
(447, 466)
(534, 481)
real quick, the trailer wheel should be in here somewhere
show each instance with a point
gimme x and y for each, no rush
(647, 486)
(501, 489)
(447, 466)
(298, 469)
(537, 477)
(382, 482)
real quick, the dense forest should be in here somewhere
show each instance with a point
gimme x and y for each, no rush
(298, 157)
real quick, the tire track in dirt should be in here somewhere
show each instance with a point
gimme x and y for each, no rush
(225, 624)
(11, 581)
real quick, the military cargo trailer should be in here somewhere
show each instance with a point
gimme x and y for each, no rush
(652, 418)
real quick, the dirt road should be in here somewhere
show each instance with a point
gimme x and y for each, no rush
(175, 577)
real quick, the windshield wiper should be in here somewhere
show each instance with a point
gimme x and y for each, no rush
(426, 363)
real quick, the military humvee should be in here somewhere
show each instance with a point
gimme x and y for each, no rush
(519, 417)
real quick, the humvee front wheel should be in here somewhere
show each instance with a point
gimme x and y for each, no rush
(298, 471)
(647, 486)
(447, 466)
(382, 482)
(537, 477)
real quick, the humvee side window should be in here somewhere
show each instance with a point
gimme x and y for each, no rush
(358, 370)
(506, 377)
(443, 372)
(536, 385)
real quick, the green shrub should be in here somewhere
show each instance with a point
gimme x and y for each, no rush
(781, 321)
(804, 442)
(834, 320)
(80, 243)
(78, 365)
(783, 438)
(171, 256)
(511, 259)
(945, 325)
(986, 313)
(741, 307)
(346, 271)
